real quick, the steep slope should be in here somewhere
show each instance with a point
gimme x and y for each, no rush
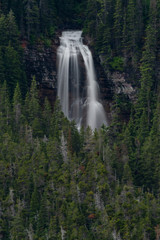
(60, 183)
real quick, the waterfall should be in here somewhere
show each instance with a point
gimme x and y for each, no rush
(78, 90)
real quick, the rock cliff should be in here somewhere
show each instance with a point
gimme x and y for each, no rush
(41, 61)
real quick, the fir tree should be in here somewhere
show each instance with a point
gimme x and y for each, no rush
(12, 68)
(118, 24)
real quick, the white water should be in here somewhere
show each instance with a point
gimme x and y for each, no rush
(79, 99)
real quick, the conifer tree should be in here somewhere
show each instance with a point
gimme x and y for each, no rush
(148, 83)
(2, 70)
(12, 68)
(34, 208)
(47, 114)
(127, 175)
(91, 12)
(48, 17)
(130, 25)
(56, 120)
(151, 153)
(32, 17)
(42, 227)
(54, 231)
(5, 105)
(17, 230)
(12, 29)
(8, 30)
(34, 107)
(3, 30)
(17, 104)
(118, 24)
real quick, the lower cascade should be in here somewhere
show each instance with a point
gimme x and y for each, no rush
(77, 87)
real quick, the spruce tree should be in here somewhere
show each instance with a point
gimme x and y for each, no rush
(118, 25)
(34, 208)
(42, 226)
(2, 69)
(17, 104)
(32, 18)
(12, 68)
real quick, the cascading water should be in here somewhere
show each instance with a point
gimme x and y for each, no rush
(79, 102)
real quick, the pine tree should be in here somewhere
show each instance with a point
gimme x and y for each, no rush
(42, 227)
(12, 68)
(151, 153)
(130, 27)
(34, 107)
(17, 104)
(17, 230)
(5, 106)
(32, 17)
(3, 30)
(2, 70)
(148, 83)
(34, 208)
(91, 13)
(118, 25)
(56, 120)
(47, 114)
(8, 30)
(127, 175)
(12, 30)
(48, 17)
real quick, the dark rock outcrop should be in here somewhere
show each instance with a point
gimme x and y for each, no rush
(40, 61)
(122, 86)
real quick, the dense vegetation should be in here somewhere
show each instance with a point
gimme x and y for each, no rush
(56, 182)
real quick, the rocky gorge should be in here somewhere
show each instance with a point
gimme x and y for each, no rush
(40, 61)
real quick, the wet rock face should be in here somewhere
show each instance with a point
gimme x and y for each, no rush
(40, 61)
(106, 87)
(119, 82)
(111, 83)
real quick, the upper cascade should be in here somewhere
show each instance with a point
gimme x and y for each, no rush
(78, 90)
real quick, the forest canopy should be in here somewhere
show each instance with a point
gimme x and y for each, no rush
(60, 183)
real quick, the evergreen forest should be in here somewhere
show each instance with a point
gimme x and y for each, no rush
(61, 183)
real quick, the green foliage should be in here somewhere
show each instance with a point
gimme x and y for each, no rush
(56, 181)
(8, 30)
(117, 64)
(70, 182)
(12, 68)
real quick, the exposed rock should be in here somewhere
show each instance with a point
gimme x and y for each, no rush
(106, 86)
(40, 61)
(122, 86)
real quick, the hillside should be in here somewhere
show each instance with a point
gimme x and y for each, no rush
(58, 182)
